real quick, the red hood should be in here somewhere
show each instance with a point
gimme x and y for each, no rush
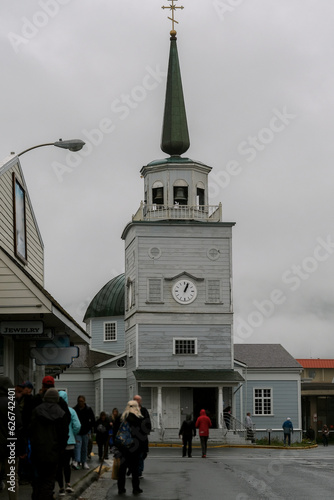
(202, 412)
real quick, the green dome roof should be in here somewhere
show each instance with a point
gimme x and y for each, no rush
(109, 301)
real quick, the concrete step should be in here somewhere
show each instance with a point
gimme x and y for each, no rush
(220, 436)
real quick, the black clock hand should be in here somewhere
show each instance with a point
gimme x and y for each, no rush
(184, 291)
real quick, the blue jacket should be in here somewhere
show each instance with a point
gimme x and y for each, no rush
(75, 425)
(287, 427)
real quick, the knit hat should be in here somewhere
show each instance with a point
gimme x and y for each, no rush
(48, 381)
(26, 384)
(51, 396)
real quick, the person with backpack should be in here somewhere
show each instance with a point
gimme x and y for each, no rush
(130, 442)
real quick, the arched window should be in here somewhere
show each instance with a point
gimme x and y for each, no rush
(200, 194)
(180, 192)
(158, 193)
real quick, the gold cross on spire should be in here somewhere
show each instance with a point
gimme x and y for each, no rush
(172, 7)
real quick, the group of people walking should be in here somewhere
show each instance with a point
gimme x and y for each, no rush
(52, 438)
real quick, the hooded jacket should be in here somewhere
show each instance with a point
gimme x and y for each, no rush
(188, 429)
(203, 424)
(75, 425)
(48, 432)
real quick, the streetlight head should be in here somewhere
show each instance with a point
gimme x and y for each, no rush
(72, 144)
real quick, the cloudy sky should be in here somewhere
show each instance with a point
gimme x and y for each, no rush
(258, 79)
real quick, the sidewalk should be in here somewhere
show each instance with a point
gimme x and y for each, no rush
(80, 480)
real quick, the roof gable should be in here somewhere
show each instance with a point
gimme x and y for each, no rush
(264, 356)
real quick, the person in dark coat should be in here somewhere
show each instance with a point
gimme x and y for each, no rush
(12, 443)
(87, 420)
(146, 429)
(48, 382)
(48, 433)
(102, 426)
(187, 432)
(130, 456)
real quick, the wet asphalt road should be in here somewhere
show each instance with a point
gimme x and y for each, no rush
(229, 473)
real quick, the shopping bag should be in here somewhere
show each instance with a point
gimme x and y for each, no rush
(115, 468)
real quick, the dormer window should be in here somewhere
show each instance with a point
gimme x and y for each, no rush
(158, 193)
(180, 194)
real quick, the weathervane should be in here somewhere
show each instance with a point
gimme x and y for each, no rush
(172, 7)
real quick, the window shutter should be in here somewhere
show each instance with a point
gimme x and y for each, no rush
(213, 291)
(154, 290)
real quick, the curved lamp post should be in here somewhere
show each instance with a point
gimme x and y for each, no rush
(72, 145)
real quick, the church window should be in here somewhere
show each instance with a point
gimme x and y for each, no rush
(20, 228)
(262, 401)
(154, 252)
(158, 193)
(185, 346)
(154, 290)
(131, 294)
(110, 331)
(200, 197)
(213, 291)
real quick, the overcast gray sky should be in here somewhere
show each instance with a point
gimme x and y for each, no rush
(258, 79)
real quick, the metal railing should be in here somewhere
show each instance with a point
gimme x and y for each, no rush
(238, 427)
(208, 213)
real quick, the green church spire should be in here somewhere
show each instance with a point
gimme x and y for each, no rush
(175, 136)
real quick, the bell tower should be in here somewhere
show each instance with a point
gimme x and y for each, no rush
(178, 279)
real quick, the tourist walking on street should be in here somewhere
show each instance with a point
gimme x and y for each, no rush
(287, 430)
(146, 427)
(102, 426)
(203, 423)
(325, 435)
(48, 433)
(187, 432)
(87, 421)
(64, 467)
(130, 455)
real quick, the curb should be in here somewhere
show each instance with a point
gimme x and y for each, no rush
(256, 446)
(84, 483)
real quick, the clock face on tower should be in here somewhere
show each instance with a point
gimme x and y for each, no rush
(184, 291)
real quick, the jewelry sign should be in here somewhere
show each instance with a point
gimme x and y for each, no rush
(25, 330)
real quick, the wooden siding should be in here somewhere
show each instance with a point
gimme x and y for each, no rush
(213, 347)
(115, 394)
(182, 249)
(77, 388)
(14, 291)
(35, 252)
(285, 403)
(97, 335)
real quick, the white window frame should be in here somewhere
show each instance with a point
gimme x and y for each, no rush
(105, 323)
(262, 398)
(185, 339)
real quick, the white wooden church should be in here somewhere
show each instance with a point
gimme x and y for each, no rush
(163, 329)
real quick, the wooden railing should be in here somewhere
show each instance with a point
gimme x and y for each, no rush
(208, 213)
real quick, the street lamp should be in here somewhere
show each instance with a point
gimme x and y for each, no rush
(72, 145)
